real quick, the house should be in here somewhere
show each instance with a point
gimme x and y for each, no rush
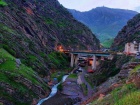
(132, 48)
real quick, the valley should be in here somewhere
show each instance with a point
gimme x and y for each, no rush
(104, 22)
(51, 55)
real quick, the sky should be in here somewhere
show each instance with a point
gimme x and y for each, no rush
(85, 5)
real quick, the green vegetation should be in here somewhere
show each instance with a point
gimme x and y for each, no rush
(73, 76)
(3, 3)
(61, 24)
(90, 83)
(107, 43)
(84, 89)
(49, 21)
(12, 52)
(121, 92)
(58, 60)
(9, 74)
(58, 75)
(108, 69)
(4, 28)
(10, 66)
(4, 54)
(131, 38)
(137, 68)
(130, 99)
(60, 87)
(102, 28)
(125, 95)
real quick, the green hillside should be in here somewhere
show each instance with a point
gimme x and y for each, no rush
(103, 21)
(107, 43)
(17, 84)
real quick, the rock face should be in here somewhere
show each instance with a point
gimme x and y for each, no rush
(30, 29)
(129, 33)
(119, 81)
(104, 22)
(19, 84)
(126, 69)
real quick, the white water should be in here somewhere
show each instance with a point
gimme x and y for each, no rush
(53, 90)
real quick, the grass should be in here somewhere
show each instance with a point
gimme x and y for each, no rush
(107, 43)
(3, 3)
(58, 60)
(23, 70)
(49, 21)
(73, 76)
(119, 96)
(90, 83)
(4, 28)
(58, 75)
(136, 69)
(9, 72)
(132, 98)
(84, 88)
(5, 54)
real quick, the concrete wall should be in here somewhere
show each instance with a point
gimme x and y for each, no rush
(130, 48)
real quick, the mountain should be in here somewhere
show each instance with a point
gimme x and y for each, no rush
(31, 29)
(30, 32)
(129, 33)
(104, 22)
(137, 9)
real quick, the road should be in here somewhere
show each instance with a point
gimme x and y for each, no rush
(82, 76)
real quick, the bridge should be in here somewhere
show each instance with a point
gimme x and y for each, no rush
(76, 55)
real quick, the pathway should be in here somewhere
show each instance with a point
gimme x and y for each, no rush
(82, 76)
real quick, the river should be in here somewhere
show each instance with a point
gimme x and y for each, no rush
(53, 90)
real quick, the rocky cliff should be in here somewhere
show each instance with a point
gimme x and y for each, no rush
(104, 22)
(129, 33)
(19, 84)
(121, 89)
(30, 29)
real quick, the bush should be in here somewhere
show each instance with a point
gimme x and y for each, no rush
(3, 3)
(12, 52)
(60, 87)
(58, 59)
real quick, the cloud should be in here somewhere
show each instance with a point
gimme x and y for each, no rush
(85, 5)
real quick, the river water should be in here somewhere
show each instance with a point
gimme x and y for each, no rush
(53, 90)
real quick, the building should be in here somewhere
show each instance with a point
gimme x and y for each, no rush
(132, 48)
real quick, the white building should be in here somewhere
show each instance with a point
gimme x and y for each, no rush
(132, 48)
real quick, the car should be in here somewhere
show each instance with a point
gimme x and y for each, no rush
(75, 71)
(82, 64)
(91, 71)
(79, 69)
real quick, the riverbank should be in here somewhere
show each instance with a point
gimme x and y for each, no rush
(72, 92)
(58, 99)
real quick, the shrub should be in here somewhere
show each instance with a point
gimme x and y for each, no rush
(12, 52)
(3, 3)
(60, 87)
(49, 21)
(58, 59)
